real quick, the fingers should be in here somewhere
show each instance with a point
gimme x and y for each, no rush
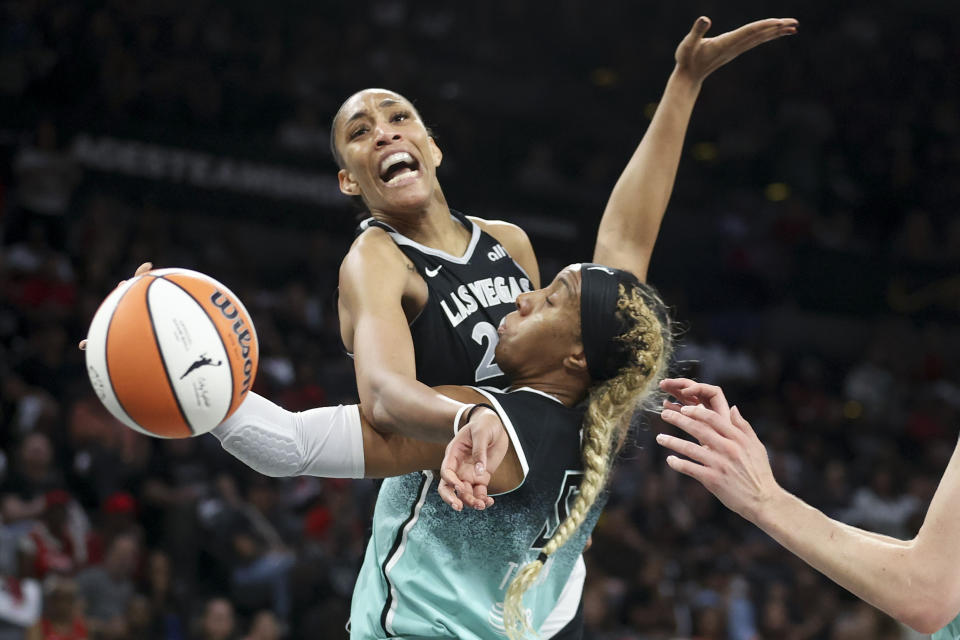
(480, 493)
(671, 406)
(686, 448)
(448, 494)
(696, 471)
(457, 492)
(143, 268)
(83, 345)
(700, 26)
(766, 25)
(708, 427)
(737, 420)
(756, 33)
(481, 441)
(687, 391)
(674, 386)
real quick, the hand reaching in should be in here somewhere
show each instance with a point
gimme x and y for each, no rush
(728, 457)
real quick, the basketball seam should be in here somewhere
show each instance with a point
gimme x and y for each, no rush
(233, 382)
(166, 372)
(106, 345)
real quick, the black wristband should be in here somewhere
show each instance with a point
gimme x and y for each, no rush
(477, 406)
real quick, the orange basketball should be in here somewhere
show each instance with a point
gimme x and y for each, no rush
(172, 353)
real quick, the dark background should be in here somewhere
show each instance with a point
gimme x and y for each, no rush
(810, 250)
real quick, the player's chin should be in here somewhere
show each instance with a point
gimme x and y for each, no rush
(415, 196)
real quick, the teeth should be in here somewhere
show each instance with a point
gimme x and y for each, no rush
(403, 175)
(394, 158)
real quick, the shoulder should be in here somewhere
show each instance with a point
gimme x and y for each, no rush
(370, 252)
(506, 233)
(516, 242)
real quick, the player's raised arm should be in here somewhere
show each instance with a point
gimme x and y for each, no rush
(631, 220)
(914, 581)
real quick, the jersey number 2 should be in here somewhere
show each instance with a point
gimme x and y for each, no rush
(485, 332)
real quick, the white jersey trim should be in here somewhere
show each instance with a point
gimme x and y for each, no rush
(391, 563)
(399, 238)
(567, 603)
(512, 432)
(538, 392)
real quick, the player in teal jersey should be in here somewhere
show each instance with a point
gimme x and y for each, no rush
(431, 572)
(915, 581)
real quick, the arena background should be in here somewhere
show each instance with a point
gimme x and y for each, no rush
(810, 249)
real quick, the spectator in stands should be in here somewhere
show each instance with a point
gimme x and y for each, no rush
(63, 618)
(58, 541)
(218, 621)
(108, 588)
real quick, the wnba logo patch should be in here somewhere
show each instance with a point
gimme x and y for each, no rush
(496, 253)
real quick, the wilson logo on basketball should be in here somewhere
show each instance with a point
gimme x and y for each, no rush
(240, 330)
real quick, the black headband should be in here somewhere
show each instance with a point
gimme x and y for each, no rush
(600, 322)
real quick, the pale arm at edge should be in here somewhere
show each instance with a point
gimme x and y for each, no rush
(916, 582)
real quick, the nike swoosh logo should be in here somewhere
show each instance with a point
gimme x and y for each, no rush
(432, 272)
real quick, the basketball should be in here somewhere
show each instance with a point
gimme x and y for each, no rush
(171, 353)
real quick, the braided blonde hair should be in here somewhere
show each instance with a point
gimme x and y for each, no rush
(611, 404)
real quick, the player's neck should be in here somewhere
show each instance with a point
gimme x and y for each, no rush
(569, 392)
(431, 226)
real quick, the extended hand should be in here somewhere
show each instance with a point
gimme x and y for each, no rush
(471, 459)
(142, 269)
(699, 56)
(730, 461)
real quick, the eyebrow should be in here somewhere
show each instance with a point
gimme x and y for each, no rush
(569, 287)
(386, 102)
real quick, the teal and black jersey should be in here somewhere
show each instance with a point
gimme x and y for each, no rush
(455, 335)
(431, 572)
(949, 632)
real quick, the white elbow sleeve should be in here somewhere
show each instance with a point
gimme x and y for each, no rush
(326, 442)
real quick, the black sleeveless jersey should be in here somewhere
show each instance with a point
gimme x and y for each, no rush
(455, 334)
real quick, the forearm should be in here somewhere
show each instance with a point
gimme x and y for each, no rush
(399, 404)
(639, 199)
(325, 442)
(880, 570)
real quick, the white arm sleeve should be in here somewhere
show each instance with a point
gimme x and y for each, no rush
(326, 442)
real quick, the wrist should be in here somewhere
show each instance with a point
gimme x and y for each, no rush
(466, 413)
(683, 78)
(769, 508)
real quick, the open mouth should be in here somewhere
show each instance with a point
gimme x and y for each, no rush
(399, 168)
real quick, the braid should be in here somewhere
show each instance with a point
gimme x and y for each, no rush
(607, 419)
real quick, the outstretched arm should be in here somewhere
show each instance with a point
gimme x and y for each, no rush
(631, 220)
(914, 581)
(331, 442)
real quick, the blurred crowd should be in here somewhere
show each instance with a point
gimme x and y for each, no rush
(809, 251)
